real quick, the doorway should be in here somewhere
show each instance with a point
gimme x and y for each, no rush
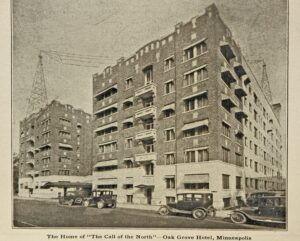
(149, 196)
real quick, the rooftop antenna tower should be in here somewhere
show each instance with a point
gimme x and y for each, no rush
(38, 96)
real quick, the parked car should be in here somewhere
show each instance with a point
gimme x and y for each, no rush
(78, 197)
(266, 209)
(199, 205)
(252, 199)
(103, 198)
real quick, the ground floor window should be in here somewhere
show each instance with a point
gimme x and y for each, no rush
(226, 202)
(196, 185)
(225, 181)
(170, 200)
(129, 198)
(128, 186)
(112, 186)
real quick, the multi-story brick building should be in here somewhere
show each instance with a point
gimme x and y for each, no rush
(55, 146)
(172, 118)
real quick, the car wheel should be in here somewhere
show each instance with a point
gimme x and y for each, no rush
(70, 202)
(100, 204)
(199, 214)
(113, 205)
(85, 203)
(237, 217)
(163, 211)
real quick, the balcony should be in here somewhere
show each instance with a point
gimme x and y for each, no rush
(226, 75)
(146, 112)
(240, 91)
(228, 102)
(146, 91)
(240, 114)
(146, 135)
(31, 149)
(30, 139)
(32, 173)
(245, 79)
(146, 157)
(30, 162)
(145, 182)
(239, 69)
(226, 50)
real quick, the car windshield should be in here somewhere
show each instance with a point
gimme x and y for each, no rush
(70, 194)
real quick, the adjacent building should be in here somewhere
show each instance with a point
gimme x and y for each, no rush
(55, 147)
(184, 114)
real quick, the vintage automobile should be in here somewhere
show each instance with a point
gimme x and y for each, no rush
(199, 205)
(103, 198)
(265, 209)
(78, 197)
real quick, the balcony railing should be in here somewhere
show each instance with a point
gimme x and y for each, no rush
(143, 157)
(146, 135)
(146, 91)
(146, 112)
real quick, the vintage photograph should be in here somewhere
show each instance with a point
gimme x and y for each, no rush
(150, 114)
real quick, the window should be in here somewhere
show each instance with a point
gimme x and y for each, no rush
(255, 115)
(256, 167)
(246, 182)
(169, 113)
(225, 129)
(255, 149)
(195, 76)
(127, 125)
(110, 147)
(148, 102)
(149, 169)
(148, 74)
(129, 163)
(129, 198)
(46, 173)
(127, 104)
(246, 161)
(106, 168)
(170, 158)
(169, 87)
(64, 134)
(106, 94)
(200, 130)
(169, 63)
(194, 51)
(169, 134)
(255, 98)
(65, 122)
(238, 182)
(64, 172)
(256, 184)
(111, 186)
(128, 186)
(170, 183)
(129, 143)
(170, 200)
(204, 185)
(128, 83)
(64, 160)
(255, 132)
(148, 124)
(149, 146)
(199, 155)
(226, 202)
(196, 102)
(107, 112)
(225, 154)
(238, 159)
(225, 181)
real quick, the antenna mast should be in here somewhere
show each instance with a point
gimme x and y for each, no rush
(38, 97)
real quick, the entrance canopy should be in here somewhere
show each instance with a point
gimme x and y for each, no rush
(144, 186)
(66, 184)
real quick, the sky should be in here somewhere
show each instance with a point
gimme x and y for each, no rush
(117, 28)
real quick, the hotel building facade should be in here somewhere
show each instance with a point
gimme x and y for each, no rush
(175, 118)
(55, 147)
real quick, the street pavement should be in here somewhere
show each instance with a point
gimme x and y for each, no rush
(37, 213)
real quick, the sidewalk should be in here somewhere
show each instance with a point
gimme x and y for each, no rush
(55, 200)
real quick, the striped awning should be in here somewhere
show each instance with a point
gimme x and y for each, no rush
(196, 178)
(194, 95)
(101, 128)
(65, 145)
(195, 124)
(168, 107)
(130, 119)
(106, 163)
(115, 105)
(130, 99)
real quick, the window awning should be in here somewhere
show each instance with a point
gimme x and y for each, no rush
(228, 100)
(65, 145)
(245, 79)
(128, 120)
(111, 87)
(106, 163)
(128, 159)
(196, 178)
(115, 105)
(107, 181)
(43, 146)
(194, 95)
(195, 125)
(168, 107)
(101, 128)
(66, 184)
(130, 99)
(144, 186)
